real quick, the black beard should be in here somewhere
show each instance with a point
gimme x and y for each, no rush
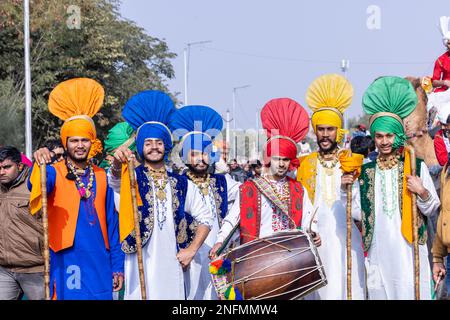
(197, 171)
(332, 147)
(75, 160)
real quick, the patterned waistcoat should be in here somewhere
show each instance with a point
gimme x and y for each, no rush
(183, 221)
(367, 191)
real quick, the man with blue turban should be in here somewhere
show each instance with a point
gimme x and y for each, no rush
(173, 219)
(196, 127)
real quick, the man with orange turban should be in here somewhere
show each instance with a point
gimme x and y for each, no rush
(273, 202)
(320, 172)
(86, 261)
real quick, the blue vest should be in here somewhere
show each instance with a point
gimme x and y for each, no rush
(183, 221)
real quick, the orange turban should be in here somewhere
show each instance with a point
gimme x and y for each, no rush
(76, 101)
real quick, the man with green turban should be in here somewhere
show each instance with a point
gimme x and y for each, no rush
(386, 186)
(117, 136)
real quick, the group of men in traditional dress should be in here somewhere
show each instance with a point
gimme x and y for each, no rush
(186, 218)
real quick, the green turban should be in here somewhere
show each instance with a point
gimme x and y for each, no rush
(389, 100)
(117, 136)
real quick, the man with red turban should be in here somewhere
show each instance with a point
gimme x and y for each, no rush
(273, 202)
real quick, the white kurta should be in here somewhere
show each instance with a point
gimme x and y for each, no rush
(164, 276)
(272, 219)
(199, 282)
(330, 203)
(390, 257)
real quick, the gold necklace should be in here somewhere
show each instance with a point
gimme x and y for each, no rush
(201, 182)
(328, 167)
(389, 162)
(156, 175)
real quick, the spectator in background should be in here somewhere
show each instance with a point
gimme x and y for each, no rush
(361, 131)
(247, 171)
(361, 145)
(55, 146)
(256, 168)
(236, 172)
(21, 261)
(373, 154)
(441, 139)
(441, 72)
(305, 148)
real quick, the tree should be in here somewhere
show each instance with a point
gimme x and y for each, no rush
(12, 128)
(112, 50)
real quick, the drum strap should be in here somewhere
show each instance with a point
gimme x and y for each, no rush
(250, 214)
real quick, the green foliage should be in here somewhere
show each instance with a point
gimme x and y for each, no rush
(114, 51)
(12, 123)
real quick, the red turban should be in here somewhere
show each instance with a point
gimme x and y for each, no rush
(284, 148)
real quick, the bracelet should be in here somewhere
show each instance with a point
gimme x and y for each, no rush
(438, 260)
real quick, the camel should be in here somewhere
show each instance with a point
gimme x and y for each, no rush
(416, 127)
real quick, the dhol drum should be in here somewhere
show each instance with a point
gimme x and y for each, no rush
(284, 266)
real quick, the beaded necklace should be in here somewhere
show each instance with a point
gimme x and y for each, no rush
(328, 165)
(388, 162)
(157, 175)
(84, 191)
(161, 210)
(201, 182)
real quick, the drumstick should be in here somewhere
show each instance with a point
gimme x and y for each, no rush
(312, 219)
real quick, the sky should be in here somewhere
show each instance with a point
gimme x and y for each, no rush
(279, 47)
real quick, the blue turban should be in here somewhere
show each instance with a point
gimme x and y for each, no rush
(153, 131)
(148, 112)
(196, 127)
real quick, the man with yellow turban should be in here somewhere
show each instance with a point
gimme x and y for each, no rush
(86, 261)
(386, 187)
(320, 172)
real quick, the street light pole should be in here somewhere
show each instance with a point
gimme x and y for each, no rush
(345, 65)
(186, 53)
(234, 103)
(26, 42)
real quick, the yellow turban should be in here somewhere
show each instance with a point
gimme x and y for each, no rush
(76, 101)
(328, 97)
(330, 118)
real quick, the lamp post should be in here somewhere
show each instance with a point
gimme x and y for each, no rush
(345, 65)
(186, 52)
(234, 103)
(26, 42)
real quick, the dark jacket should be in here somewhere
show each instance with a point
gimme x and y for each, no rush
(21, 238)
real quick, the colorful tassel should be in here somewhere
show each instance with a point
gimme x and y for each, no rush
(220, 267)
(233, 293)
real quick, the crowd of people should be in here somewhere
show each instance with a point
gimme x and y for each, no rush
(193, 200)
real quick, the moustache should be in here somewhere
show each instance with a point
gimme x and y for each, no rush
(157, 151)
(324, 140)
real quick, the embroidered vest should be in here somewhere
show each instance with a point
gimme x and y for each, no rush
(185, 224)
(218, 184)
(367, 192)
(250, 202)
(220, 188)
(307, 173)
(64, 204)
